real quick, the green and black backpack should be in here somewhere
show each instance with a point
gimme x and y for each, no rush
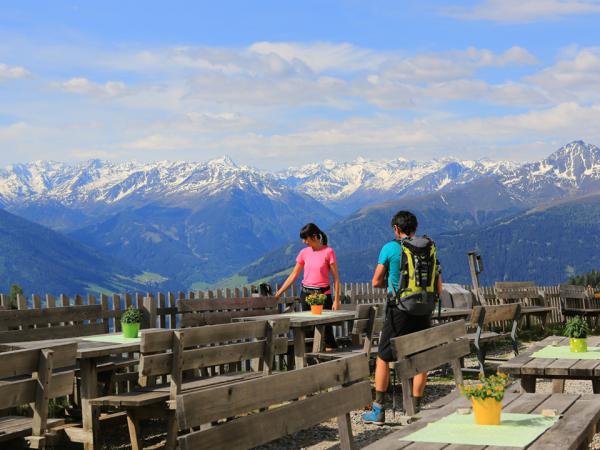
(419, 270)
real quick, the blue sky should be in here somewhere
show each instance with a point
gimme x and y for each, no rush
(274, 84)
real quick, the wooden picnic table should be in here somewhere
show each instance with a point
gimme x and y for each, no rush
(89, 355)
(529, 369)
(301, 322)
(579, 417)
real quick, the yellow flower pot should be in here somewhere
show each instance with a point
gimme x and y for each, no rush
(486, 411)
(578, 345)
(316, 309)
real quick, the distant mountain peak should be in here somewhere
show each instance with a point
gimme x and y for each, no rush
(224, 160)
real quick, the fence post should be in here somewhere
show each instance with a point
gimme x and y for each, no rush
(148, 312)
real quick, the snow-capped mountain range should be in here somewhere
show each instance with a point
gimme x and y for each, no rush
(343, 187)
(103, 182)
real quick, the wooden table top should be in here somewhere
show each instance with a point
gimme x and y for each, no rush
(305, 318)
(85, 348)
(525, 364)
(580, 414)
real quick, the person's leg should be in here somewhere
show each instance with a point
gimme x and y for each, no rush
(382, 375)
(330, 342)
(420, 381)
(382, 371)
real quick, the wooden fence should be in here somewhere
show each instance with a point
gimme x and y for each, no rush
(160, 309)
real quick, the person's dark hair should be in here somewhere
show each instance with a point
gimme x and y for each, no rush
(406, 222)
(310, 229)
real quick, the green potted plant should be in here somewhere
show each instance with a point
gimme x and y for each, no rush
(316, 302)
(486, 397)
(577, 331)
(130, 322)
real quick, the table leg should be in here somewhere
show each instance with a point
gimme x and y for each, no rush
(88, 391)
(299, 347)
(558, 386)
(528, 383)
(596, 385)
(318, 339)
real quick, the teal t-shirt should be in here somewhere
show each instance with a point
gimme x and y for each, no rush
(389, 256)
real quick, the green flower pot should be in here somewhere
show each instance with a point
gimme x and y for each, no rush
(130, 330)
(578, 345)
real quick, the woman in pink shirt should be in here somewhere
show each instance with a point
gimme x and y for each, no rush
(318, 262)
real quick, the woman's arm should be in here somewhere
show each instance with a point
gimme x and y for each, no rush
(337, 286)
(290, 279)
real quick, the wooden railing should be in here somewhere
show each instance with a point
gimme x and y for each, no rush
(160, 309)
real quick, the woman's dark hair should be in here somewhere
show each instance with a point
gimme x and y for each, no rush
(406, 222)
(310, 229)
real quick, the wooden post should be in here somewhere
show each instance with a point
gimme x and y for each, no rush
(117, 309)
(148, 313)
(175, 387)
(476, 267)
(162, 317)
(40, 407)
(105, 311)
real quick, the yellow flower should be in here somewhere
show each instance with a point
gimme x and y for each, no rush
(480, 386)
(488, 392)
(499, 388)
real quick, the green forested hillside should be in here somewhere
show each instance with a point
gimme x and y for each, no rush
(547, 245)
(43, 261)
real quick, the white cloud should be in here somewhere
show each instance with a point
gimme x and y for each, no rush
(158, 142)
(524, 11)
(573, 78)
(13, 131)
(84, 86)
(12, 73)
(322, 57)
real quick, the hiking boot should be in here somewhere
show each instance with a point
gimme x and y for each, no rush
(375, 416)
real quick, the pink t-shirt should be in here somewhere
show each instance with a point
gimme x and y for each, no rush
(316, 265)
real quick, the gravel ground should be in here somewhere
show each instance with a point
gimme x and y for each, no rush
(325, 435)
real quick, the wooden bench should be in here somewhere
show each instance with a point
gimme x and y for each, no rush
(366, 326)
(532, 299)
(578, 301)
(198, 312)
(485, 316)
(19, 325)
(426, 350)
(50, 323)
(254, 412)
(34, 376)
(171, 352)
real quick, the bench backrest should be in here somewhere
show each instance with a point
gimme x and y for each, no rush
(426, 350)
(524, 292)
(306, 396)
(484, 315)
(173, 351)
(366, 325)
(35, 376)
(50, 323)
(198, 312)
(573, 296)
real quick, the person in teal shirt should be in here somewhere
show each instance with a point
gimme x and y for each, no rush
(397, 321)
(389, 257)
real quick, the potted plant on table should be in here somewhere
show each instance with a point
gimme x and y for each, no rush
(316, 302)
(577, 331)
(486, 397)
(130, 322)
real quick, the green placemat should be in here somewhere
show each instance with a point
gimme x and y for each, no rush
(113, 339)
(515, 430)
(562, 352)
(309, 314)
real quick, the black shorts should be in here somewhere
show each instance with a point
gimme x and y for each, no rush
(398, 323)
